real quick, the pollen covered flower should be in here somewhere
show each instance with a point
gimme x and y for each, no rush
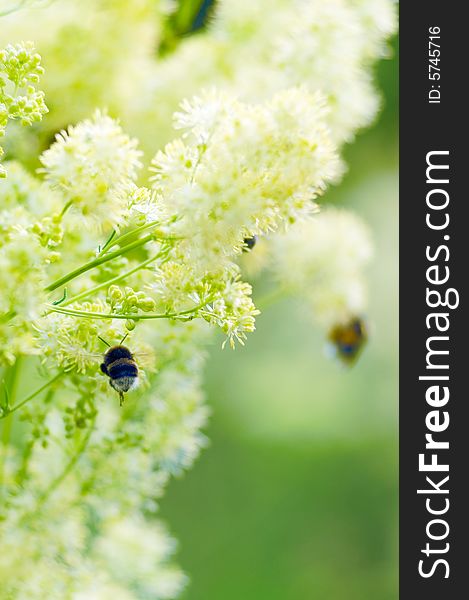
(74, 344)
(244, 169)
(328, 47)
(89, 163)
(234, 311)
(136, 553)
(142, 205)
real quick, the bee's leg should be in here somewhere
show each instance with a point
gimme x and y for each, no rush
(121, 398)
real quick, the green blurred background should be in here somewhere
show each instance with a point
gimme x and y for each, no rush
(296, 497)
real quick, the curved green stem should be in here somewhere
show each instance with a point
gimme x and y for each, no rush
(12, 385)
(65, 208)
(96, 262)
(33, 395)
(7, 316)
(108, 241)
(121, 239)
(130, 316)
(109, 282)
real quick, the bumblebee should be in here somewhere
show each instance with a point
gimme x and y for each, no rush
(120, 366)
(249, 243)
(348, 339)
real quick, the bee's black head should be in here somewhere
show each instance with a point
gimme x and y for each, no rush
(115, 353)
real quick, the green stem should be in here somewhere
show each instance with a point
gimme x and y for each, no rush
(109, 240)
(33, 395)
(12, 385)
(131, 316)
(7, 316)
(109, 282)
(121, 239)
(96, 262)
(65, 208)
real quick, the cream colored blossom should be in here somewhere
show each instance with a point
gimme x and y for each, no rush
(323, 260)
(133, 550)
(244, 169)
(89, 163)
(253, 49)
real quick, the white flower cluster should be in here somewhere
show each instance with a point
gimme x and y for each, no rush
(329, 254)
(94, 51)
(89, 163)
(179, 266)
(110, 543)
(129, 559)
(255, 49)
(251, 49)
(328, 46)
(244, 169)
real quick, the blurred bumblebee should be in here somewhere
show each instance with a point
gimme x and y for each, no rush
(249, 243)
(348, 339)
(120, 366)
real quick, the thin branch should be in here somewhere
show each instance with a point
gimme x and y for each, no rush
(109, 282)
(32, 396)
(96, 262)
(109, 240)
(130, 316)
(121, 239)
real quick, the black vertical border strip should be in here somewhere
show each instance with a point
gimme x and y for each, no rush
(425, 127)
